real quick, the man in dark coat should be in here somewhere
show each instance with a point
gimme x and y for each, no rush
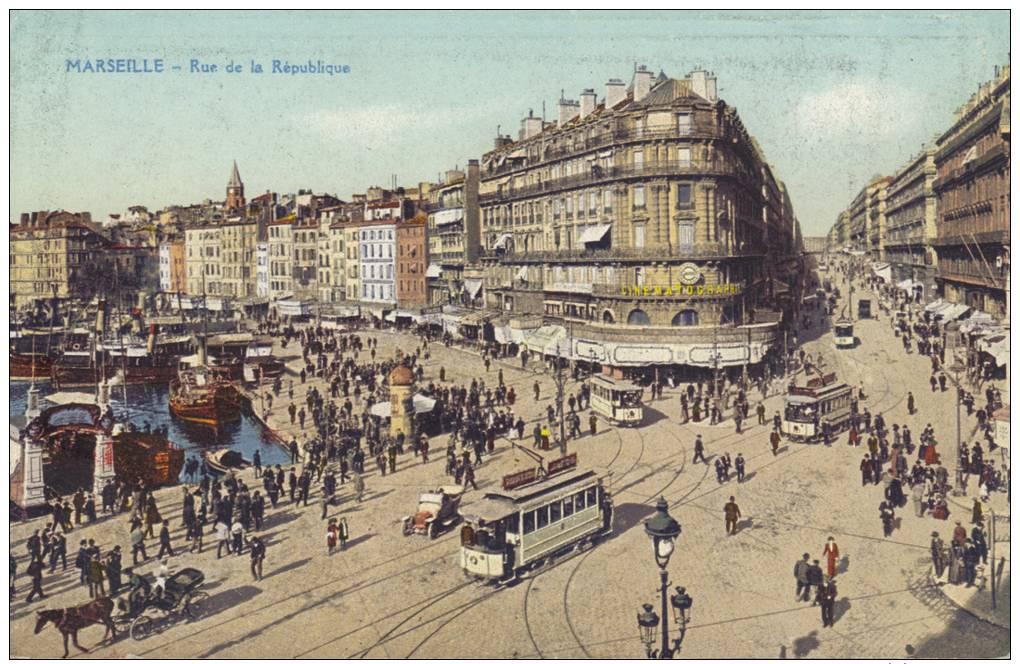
(164, 540)
(814, 578)
(827, 600)
(35, 570)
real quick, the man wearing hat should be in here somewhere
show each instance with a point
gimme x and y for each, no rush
(937, 548)
(827, 600)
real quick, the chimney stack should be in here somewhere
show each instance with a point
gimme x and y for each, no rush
(587, 103)
(642, 82)
(530, 126)
(568, 110)
(703, 84)
(616, 92)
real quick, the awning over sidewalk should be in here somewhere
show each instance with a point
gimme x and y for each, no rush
(931, 307)
(979, 319)
(882, 271)
(997, 347)
(907, 285)
(444, 217)
(433, 271)
(546, 339)
(594, 233)
(472, 287)
(952, 312)
(422, 404)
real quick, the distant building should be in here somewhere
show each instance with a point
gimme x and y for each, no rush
(172, 266)
(235, 193)
(281, 258)
(48, 252)
(377, 260)
(412, 261)
(204, 268)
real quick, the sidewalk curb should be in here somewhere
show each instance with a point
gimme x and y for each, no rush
(937, 585)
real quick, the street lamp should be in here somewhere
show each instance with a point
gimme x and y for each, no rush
(957, 368)
(663, 530)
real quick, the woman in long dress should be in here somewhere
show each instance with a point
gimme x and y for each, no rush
(955, 563)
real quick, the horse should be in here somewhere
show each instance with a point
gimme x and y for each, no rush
(70, 620)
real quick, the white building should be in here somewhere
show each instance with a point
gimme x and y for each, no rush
(262, 269)
(377, 259)
(164, 267)
(281, 259)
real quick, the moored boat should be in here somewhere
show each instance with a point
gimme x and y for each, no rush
(224, 461)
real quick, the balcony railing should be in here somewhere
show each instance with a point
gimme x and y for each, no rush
(584, 144)
(599, 175)
(702, 250)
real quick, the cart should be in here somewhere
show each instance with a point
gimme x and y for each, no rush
(437, 511)
(149, 610)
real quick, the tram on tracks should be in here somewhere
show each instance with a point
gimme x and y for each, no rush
(534, 520)
(823, 404)
(615, 400)
(843, 333)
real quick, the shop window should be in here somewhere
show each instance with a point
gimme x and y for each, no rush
(638, 317)
(685, 318)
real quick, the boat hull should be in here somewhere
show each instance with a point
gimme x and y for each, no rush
(28, 366)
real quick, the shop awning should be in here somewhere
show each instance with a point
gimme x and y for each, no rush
(979, 319)
(953, 312)
(937, 304)
(997, 347)
(444, 217)
(546, 339)
(503, 240)
(882, 271)
(594, 233)
(472, 287)
(433, 271)
(422, 404)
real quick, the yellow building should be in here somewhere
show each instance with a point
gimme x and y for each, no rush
(48, 250)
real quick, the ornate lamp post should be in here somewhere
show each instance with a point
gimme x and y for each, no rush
(663, 530)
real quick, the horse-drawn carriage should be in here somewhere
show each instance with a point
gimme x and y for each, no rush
(150, 609)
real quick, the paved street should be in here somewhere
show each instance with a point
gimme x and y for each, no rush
(392, 596)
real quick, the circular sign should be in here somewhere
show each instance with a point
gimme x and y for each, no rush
(690, 274)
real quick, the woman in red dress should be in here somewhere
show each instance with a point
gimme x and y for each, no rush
(831, 553)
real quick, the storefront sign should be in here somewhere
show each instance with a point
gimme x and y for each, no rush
(681, 290)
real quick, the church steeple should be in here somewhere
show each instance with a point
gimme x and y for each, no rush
(235, 191)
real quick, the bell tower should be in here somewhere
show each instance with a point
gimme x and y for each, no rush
(235, 192)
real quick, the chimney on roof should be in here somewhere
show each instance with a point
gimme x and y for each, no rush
(703, 84)
(568, 109)
(642, 82)
(616, 91)
(530, 126)
(587, 102)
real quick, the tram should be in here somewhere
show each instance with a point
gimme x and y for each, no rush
(618, 401)
(843, 333)
(534, 520)
(824, 402)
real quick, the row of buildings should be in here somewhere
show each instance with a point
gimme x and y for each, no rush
(939, 226)
(640, 226)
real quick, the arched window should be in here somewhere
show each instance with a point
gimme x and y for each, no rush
(685, 318)
(638, 317)
(607, 317)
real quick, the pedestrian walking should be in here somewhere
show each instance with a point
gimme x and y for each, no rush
(258, 555)
(359, 487)
(96, 576)
(827, 600)
(164, 540)
(699, 450)
(831, 554)
(35, 571)
(800, 573)
(732, 512)
(738, 464)
(774, 438)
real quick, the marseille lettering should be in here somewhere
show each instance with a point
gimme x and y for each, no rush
(678, 290)
(309, 67)
(116, 66)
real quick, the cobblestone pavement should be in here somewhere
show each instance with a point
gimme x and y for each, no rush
(392, 596)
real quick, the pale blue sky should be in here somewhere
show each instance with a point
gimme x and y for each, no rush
(833, 98)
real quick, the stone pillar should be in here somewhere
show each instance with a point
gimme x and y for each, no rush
(402, 410)
(33, 496)
(103, 470)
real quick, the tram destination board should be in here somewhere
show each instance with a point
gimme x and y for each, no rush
(563, 463)
(514, 480)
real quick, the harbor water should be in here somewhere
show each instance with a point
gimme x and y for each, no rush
(150, 404)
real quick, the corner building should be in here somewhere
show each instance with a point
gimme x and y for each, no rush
(649, 225)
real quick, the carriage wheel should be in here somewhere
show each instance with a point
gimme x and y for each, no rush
(195, 604)
(434, 530)
(141, 627)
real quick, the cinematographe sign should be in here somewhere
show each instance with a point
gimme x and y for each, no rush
(681, 290)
